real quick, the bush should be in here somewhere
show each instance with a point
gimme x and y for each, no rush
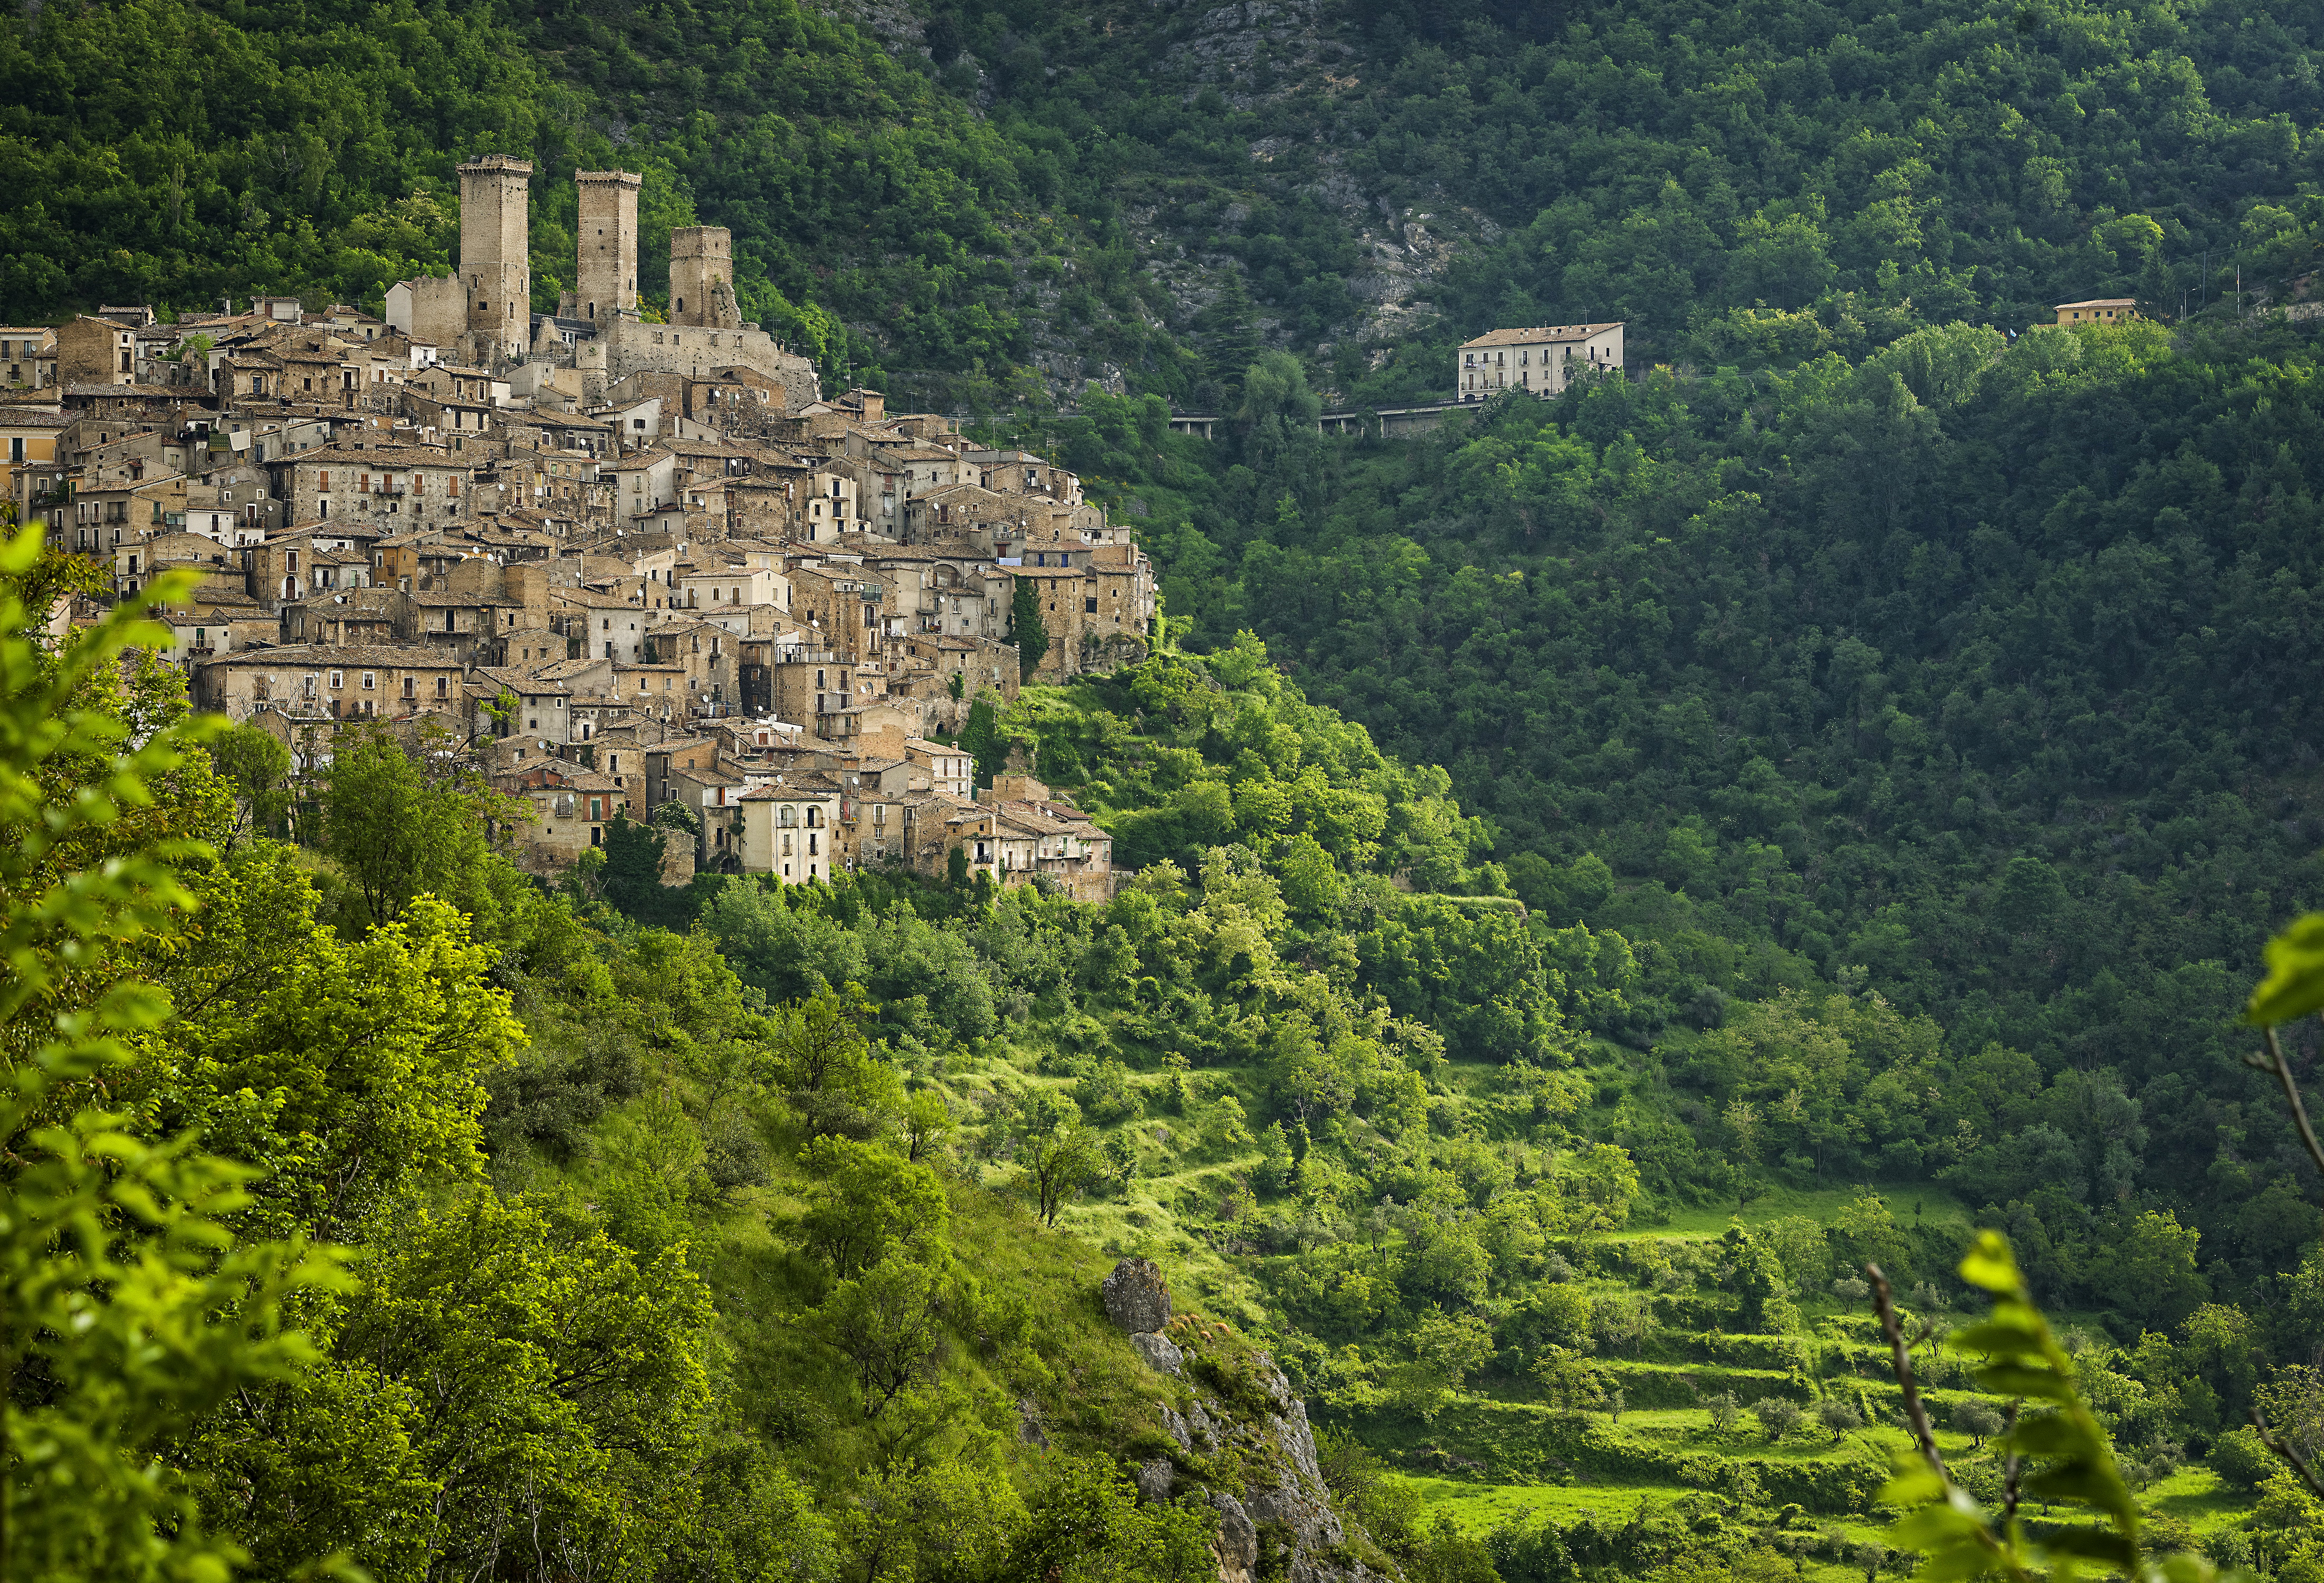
(1777, 1416)
(2239, 1459)
(1838, 1417)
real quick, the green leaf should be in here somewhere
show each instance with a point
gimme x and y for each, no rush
(2096, 1545)
(2295, 985)
(1992, 1266)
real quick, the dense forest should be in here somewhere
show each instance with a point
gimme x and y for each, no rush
(979, 206)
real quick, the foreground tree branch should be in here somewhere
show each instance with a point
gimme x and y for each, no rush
(1916, 1416)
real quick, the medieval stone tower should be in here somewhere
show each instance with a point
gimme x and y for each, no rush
(702, 278)
(495, 250)
(606, 284)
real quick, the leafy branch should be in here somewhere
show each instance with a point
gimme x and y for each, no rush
(2076, 1463)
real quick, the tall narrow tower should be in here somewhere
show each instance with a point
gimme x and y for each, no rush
(495, 249)
(702, 278)
(606, 283)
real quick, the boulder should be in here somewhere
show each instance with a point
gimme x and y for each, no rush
(1137, 1298)
(1155, 1480)
(1161, 1354)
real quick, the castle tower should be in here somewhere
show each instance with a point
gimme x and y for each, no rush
(495, 250)
(605, 285)
(702, 278)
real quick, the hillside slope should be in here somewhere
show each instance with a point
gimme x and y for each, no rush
(984, 206)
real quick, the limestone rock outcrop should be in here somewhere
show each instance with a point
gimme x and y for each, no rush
(1135, 1296)
(1239, 1411)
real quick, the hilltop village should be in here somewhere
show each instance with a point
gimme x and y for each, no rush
(617, 563)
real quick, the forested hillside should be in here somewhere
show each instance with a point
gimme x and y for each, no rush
(763, 1238)
(983, 205)
(1960, 672)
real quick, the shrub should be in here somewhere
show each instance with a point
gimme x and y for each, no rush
(1838, 1417)
(2239, 1459)
(1777, 1416)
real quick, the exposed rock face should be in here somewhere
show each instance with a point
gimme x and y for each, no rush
(1137, 1298)
(1237, 1545)
(1282, 1518)
(1160, 1353)
(1155, 1480)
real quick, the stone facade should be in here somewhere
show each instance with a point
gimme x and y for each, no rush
(606, 284)
(495, 251)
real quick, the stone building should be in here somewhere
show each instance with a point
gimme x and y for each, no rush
(702, 278)
(1540, 361)
(788, 827)
(367, 681)
(497, 252)
(605, 283)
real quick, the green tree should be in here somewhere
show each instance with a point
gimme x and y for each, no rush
(558, 1376)
(394, 833)
(1030, 628)
(131, 1310)
(865, 1201)
(256, 764)
(1085, 1525)
(1057, 1155)
(982, 739)
(889, 1324)
(1777, 1415)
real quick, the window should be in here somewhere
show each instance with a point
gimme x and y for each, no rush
(339, 679)
(370, 680)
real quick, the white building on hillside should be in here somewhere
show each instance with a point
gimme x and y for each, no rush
(1540, 360)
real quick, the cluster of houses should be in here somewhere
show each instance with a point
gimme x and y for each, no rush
(620, 563)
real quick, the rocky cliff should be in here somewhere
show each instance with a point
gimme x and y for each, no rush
(1241, 1444)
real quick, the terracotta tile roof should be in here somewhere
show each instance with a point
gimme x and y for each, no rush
(1530, 337)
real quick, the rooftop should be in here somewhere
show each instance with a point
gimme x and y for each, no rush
(1541, 334)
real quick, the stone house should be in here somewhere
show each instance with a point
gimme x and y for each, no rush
(314, 558)
(788, 827)
(91, 350)
(397, 488)
(570, 808)
(1041, 837)
(366, 681)
(609, 626)
(643, 483)
(1540, 362)
(950, 770)
(28, 356)
(710, 656)
(106, 519)
(359, 617)
(954, 517)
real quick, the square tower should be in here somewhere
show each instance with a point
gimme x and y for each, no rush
(495, 249)
(605, 285)
(702, 278)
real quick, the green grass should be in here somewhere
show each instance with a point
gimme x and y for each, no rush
(2197, 1497)
(1823, 1205)
(1479, 1508)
